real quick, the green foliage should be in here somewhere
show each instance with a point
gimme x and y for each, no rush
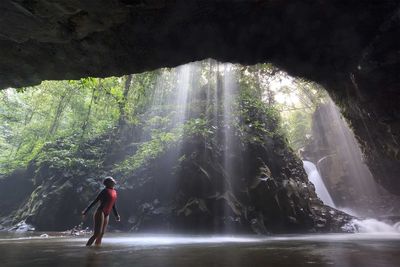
(298, 128)
(150, 150)
(161, 142)
(198, 127)
(31, 117)
(67, 155)
(256, 119)
(35, 119)
(303, 97)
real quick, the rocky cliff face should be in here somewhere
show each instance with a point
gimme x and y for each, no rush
(271, 194)
(190, 182)
(14, 190)
(267, 192)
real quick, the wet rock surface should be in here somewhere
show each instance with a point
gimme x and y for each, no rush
(181, 190)
(257, 199)
(14, 190)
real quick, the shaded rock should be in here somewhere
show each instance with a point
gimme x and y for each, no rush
(14, 189)
(22, 226)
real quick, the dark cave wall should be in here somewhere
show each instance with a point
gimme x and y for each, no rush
(369, 99)
(351, 47)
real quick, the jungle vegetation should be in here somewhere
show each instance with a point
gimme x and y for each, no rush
(34, 119)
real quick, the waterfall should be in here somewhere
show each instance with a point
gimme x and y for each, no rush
(340, 162)
(357, 225)
(320, 188)
(375, 226)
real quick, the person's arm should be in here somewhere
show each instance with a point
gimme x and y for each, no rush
(116, 215)
(93, 203)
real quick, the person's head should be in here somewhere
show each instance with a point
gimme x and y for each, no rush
(109, 182)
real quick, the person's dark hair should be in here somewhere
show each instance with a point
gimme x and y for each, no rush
(109, 181)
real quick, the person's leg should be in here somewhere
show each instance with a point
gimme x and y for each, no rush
(98, 226)
(103, 229)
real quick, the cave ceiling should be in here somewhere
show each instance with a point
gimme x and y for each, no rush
(69, 39)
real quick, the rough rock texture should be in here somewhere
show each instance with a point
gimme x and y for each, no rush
(258, 198)
(189, 197)
(192, 183)
(14, 190)
(351, 47)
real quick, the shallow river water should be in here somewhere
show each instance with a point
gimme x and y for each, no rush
(340, 250)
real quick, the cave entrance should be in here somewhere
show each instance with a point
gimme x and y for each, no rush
(207, 145)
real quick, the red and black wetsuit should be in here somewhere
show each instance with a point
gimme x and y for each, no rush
(107, 198)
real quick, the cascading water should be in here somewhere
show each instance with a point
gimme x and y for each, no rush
(375, 226)
(342, 175)
(357, 225)
(338, 157)
(320, 188)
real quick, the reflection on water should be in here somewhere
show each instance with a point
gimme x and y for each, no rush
(339, 250)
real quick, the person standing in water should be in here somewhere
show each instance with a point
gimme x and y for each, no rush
(107, 198)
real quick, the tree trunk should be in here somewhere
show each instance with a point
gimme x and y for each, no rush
(122, 103)
(60, 108)
(86, 121)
